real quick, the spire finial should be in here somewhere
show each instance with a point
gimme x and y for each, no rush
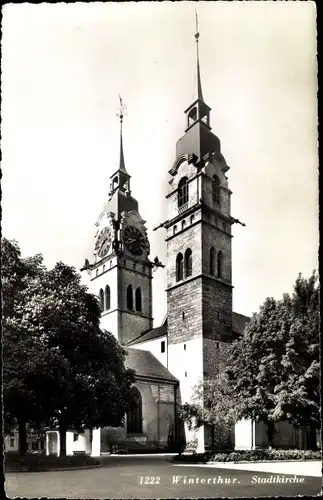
(197, 36)
(122, 111)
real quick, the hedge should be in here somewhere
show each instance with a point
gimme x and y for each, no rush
(260, 455)
(34, 462)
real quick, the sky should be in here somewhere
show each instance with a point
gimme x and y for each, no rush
(63, 68)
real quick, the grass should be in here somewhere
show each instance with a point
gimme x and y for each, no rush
(34, 462)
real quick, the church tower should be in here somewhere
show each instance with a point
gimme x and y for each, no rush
(199, 289)
(121, 272)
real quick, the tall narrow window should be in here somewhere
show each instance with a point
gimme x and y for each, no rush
(134, 413)
(162, 346)
(212, 261)
(188, 263)
(192, 116)
(129, 297)
(192, 219)
(174, 229)
(220, 264)
(182, 192)
(183, 224)
(179, 267)
(138, 299)
(216, 188)
(101, 300)
(107, 297)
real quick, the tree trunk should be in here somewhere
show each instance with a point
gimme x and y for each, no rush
(312, 438)
(270, 433)
(22, 437)
(62, 439)
(213, 437)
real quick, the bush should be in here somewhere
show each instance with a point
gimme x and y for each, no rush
(33, 462)
(259, 455)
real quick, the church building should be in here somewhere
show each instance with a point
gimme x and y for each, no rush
(172, 358)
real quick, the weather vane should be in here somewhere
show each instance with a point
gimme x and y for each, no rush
(122, 111)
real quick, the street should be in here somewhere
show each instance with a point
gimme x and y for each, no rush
(155, 477)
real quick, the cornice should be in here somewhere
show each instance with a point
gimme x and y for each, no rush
(129, 311)
(156, 379)
(200, 275)
(190, 158)
(178, 217)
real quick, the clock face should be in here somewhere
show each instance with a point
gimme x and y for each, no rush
(103, 242)
(134, 240)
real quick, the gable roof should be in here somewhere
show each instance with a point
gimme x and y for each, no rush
(239, 322)
(145, 364)
(160, 331)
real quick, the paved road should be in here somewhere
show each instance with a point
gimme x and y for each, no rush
(121, 477)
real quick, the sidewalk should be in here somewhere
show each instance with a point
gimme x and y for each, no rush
(312, 468)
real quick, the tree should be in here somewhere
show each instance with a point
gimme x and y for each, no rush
(63, 364)
(213, 402)
(18, 399)
(274, 368)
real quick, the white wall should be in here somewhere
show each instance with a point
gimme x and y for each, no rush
(187, 366)
(154, 346)
(96, 443)
(244, 435)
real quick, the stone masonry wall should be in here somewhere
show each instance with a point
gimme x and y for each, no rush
(215, 237)
(186, 299)
(190, 237)
(217, 310)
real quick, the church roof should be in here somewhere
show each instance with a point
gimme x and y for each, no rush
(145, 364)
(239, 322)
(155, 333)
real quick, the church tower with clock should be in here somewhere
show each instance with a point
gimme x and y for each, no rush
(121, 272)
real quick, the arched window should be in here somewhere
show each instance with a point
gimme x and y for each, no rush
(192, 219)
(179, 267)
(129, 297)
(183, 224)
(188, 263)
(182, 192)
(220, 264)
(212, 261)
(134, 413)
(138, 299)
(216, 188)
(107, 297)
(101, 299)
(174, 229)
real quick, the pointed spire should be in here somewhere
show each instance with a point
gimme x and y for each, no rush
(121, 112)
(199, 84)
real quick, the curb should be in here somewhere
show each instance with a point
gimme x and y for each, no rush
(85, 467)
